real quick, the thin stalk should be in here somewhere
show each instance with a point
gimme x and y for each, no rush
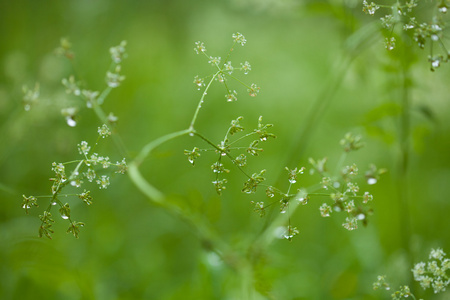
(157, 197)
(205, 92)
(217, 148)
(341, 162)
(104, 119)
(270, 232)
(405, 128)
(353, 45)
(133, 169)
(103, 95)
(142, 184)
(316, 113)
(153, 144)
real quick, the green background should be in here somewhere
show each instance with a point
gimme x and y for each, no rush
(323, 60)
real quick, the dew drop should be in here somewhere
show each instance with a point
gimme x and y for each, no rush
(213, 259)
(371, 180)
(292, 181)
(53, 203)
(303, 201)
(287, 236)
(113, 84)
(443, 9)
(191, 134)
(435, 63)
(361, 216)
(64, 217)
(71, 122)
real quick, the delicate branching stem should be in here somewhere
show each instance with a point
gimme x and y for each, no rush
(104, 119)
(205, 92)
(103, 95)
(239, 167)
(240, 81)
(206, 140)
(218, 148)
(229, 52)
(269, 233)
(161, 140)
(76, 171)
(242, 137)
(157, 197)
(133, 168)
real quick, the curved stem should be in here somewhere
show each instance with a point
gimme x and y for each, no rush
(161, 140)
(133, 168)
(146, 188)
(207, 235)
(205, 92)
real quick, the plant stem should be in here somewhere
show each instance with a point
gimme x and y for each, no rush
(161, 140)
(353, 45)
(205, 92)
(154, 195)
(405, 128)
(136, 176)
(103, 95)
(104, 119)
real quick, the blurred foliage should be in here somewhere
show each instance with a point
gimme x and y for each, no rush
(321, 63)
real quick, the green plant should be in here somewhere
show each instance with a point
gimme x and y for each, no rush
(432, 274)
(401, 22)
(342, 190)
(338, 190)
